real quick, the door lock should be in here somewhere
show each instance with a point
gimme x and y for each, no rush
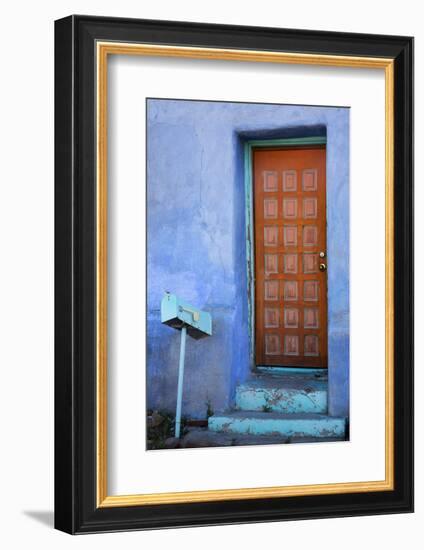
(322, 254)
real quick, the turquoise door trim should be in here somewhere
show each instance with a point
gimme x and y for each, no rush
(250, 230)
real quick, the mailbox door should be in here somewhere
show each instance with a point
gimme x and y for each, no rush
(290, 257)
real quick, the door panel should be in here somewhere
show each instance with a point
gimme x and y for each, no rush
(290, 274)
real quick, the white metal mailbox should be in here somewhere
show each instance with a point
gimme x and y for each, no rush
(176, 313)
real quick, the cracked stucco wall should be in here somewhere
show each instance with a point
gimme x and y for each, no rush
(196, 241)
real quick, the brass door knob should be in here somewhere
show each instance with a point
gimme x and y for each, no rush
(322, 267)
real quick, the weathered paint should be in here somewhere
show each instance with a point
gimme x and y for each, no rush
(196, 241)
(289, 425)
(294, 395)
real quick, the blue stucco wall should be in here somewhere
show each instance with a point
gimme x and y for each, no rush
(196, 241)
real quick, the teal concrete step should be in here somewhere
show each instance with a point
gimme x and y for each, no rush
(295, 425)
(283, 393)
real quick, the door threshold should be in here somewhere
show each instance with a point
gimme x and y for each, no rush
(291, 370)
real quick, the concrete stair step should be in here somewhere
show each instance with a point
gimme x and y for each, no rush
(288, 393)
(295, 425)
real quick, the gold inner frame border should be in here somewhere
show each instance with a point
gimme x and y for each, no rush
(103, 50)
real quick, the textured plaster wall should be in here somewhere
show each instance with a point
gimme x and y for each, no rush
(197, 243)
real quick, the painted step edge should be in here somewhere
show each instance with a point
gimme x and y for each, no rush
(293, 426)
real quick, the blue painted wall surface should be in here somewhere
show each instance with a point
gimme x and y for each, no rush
(196, 241)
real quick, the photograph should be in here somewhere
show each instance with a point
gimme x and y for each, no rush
(247, 209)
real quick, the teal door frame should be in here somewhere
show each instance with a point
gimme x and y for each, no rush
(250, 228)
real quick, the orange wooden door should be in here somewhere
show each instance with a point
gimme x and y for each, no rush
(290, 257)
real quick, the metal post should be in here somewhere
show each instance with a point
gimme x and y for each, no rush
(180, 382)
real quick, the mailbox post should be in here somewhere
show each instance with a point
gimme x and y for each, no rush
(198, 324)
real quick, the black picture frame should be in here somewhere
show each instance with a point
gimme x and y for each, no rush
(76, 509)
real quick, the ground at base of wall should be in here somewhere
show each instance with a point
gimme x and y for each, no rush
(160, 427)
(196, 438)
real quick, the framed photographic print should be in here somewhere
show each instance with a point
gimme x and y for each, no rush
(234, 270)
